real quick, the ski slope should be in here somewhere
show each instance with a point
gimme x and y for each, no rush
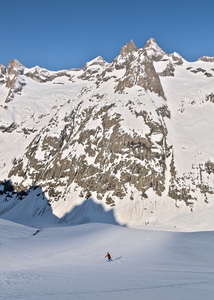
(68, 263)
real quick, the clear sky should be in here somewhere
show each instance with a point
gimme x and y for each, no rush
(65, 34)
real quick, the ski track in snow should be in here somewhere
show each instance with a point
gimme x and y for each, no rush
(68, 263)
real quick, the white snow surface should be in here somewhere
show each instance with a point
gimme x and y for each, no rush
(68, 263)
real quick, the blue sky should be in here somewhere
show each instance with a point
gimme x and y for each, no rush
(64, 34)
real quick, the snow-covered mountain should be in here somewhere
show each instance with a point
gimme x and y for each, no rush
(135, 136)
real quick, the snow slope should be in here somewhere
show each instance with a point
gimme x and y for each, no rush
(68, 263)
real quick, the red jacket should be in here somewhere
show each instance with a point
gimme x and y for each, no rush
(108, 255)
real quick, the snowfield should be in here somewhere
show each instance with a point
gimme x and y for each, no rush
(68, 263)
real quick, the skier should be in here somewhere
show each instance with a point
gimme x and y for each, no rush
(108, 256)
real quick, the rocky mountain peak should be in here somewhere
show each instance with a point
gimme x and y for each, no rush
(99, 61)
(206, 59)
(2, 69)
(13, 82)
(151, 43)
(139, 67)
(14, 66)
(153, 50)
(2, 74)
(128, 48)
(177, 58)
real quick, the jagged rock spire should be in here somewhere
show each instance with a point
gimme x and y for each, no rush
(15, 68)
(153, 50)
(151, 43)
(128, 48)
(14, 65)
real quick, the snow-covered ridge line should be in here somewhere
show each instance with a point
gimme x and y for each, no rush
(134, 135)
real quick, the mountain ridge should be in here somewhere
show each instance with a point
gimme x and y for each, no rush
(121, 133)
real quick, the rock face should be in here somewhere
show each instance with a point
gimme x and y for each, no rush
(120, 133)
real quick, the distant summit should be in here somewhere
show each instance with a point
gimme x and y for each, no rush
(128, 48)
(206, 59)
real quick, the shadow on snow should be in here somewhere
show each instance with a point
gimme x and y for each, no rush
(32, 208)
